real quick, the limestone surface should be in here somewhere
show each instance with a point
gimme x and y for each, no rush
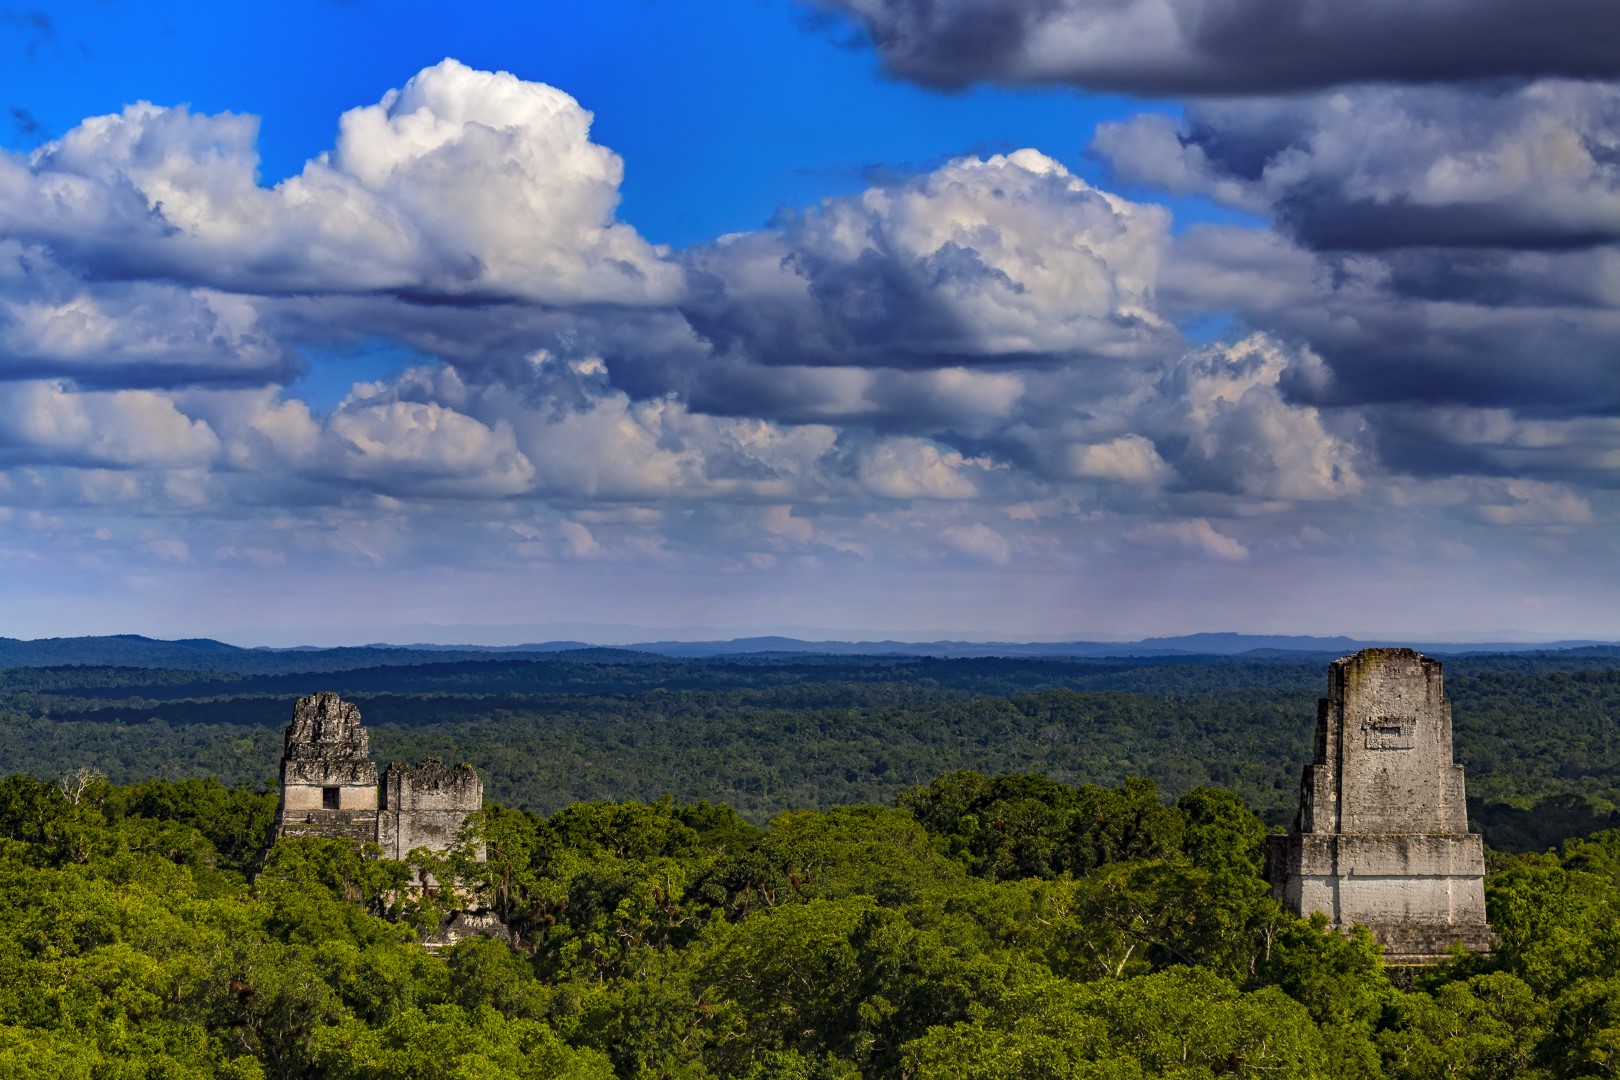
(425, 805)
(1381, 837)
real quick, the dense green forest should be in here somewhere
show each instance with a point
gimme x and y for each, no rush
(782, 867)
(1537, 731)
(1006, 927)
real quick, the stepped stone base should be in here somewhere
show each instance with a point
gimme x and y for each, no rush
(1419, 893)
(357, 825)
(1417, 945)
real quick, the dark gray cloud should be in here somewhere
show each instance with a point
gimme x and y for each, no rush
(1160, 47)
(1439, 248)
(1535, 165)
(54, 324)
(1440, 442)
(1535, 333)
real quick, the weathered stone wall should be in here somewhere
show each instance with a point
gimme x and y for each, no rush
(425, 805)
(1372, 879)
(1382, 835)
(326, 748)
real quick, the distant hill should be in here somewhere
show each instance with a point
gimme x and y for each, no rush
(1224, 644)
(205, 654)
(122, 650)
(542, 646)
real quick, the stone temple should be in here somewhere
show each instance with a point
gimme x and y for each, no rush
(329, 786)
(1382, 834)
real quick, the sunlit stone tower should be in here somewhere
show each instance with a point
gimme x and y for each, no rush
(1382, 834)
(328, 783)
(329, 786)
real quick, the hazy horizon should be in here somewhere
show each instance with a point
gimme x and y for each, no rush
(482, 637)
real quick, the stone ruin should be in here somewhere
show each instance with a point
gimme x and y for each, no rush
(1382, 836)
(329, 786)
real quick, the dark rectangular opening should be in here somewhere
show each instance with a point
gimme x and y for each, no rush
(329, 798)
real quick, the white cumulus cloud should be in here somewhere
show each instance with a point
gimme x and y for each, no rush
(461, 182)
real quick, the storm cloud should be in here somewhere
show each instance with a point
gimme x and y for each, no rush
(1535, 165)
(1225, 47)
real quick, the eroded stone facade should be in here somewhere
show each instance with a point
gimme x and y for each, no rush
(424, 805)
(330, 787)
(1382, 834)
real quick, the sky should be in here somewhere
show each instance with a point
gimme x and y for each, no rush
(331, 322)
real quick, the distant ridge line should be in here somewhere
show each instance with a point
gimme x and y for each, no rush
(1208, 644)
(203, 654)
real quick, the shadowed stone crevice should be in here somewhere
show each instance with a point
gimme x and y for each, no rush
(1381, 837)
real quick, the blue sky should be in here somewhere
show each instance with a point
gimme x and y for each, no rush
(860, 316)
(724, 112)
